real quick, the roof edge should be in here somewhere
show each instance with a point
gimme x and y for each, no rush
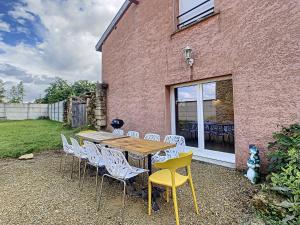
(112, 24)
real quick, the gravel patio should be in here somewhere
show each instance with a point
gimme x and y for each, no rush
(33, 192)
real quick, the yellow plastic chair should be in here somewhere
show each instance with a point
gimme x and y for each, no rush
(169, 178)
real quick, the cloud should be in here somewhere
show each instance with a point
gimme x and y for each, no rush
(10, 71)
(64, 34)
(20, 12)
(23, 30)
(4, 26)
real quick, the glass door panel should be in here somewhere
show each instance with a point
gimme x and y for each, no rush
(218, 116)
(186, 114)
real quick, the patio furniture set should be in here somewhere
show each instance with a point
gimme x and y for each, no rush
(212, 130)
(111, 151)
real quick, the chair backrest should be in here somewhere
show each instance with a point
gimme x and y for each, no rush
(134, 134)
(115, 162)
(175, 139)
(152, 137)
(180, 145)
(93, 153)
(66, 145)
(184, 160)
(76, 147)
(118, 132)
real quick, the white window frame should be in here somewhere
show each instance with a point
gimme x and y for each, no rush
(200, 152)
(185, 16)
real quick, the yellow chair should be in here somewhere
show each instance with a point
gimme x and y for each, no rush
(169, 178)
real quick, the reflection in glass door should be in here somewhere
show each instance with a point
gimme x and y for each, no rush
(218, 116)
(186, 114)
(209, 108)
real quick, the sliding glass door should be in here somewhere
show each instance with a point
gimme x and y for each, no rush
(203, 114)
(186, 114)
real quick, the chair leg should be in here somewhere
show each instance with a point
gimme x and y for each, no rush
(83, 176)
(167, 194)
(79, 171)
(100, 193)
(72, 167)
(63, 165)
(194, 195)
(96, 182)
(60, 164)
(124, 196)
(175, 204)
(149, 198)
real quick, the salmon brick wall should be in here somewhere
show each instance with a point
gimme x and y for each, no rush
(256, 42)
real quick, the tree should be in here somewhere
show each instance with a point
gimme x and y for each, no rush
(60, 90)
(13, 95)
(57, 91)
(83, 86)
(2, 91)
(21, 92)
(17, 93)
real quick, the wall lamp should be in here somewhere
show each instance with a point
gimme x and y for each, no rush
(187, 52)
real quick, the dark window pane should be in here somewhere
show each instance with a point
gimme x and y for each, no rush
(186, 114)
(218, 116)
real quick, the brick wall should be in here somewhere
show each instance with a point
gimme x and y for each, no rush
(256, 42)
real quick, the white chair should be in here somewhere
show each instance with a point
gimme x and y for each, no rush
(94, 159)
(68, 150)
(133, 134)
(118, 132)
(81, 154)
(152, 137)
(172, 152)
(119, 169)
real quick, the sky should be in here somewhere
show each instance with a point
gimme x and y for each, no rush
(44, 39)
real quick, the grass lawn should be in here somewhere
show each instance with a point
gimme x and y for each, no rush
(26, 136)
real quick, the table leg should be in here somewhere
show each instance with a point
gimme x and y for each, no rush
(149, 164)
(126, 155)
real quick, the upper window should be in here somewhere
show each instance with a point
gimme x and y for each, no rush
(193, 10)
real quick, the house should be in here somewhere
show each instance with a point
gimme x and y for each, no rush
(224, 74)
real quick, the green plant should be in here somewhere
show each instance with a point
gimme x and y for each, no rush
(287, 138)
(281, 199)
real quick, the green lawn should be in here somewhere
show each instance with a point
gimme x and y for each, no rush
(26, 136)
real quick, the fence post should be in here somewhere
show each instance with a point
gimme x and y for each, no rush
(58, 111)
(27, 110)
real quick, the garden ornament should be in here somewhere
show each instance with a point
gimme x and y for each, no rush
(253, 164)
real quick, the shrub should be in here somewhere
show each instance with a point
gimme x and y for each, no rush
(285, 178)
(278, 149)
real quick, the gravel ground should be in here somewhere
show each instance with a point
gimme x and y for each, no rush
(34, 192)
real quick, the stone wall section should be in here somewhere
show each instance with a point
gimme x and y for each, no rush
(100, 109)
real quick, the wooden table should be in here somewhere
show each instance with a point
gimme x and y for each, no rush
(138, 146)
(98, 136)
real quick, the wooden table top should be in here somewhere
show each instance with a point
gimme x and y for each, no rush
(98, 136)
(138, 145)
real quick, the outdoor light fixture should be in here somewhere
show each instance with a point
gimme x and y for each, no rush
(187, 51)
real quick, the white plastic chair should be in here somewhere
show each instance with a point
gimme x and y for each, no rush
(68, 150)
(94, 159)
(133, 134)
(81, 154)
(118, 132)
(172, 152)
(152, 137)
(119, 169)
